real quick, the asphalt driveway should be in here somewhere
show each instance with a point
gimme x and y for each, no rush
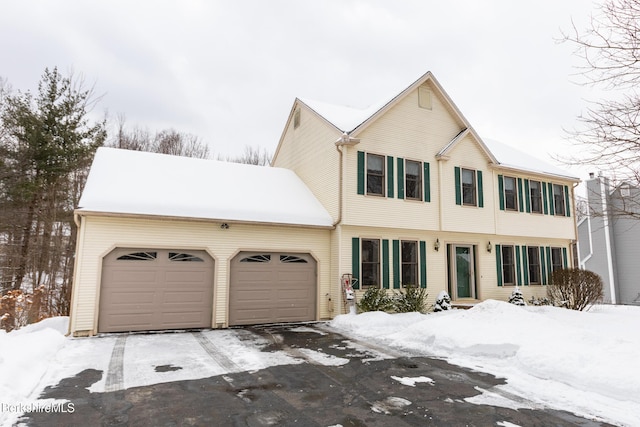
(282, 375)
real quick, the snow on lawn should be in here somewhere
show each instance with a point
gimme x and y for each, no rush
(582, 362)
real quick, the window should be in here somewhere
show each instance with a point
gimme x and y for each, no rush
(413, 180)
(558, 199)
(533, 258)
(257, 258)
(370, 262)
(138, 256)
(468, 187)
(556, 259)
(183, 257)
(510, 194)
(508, 265)
(409, 256)
(535, 194)
(375, 174)
(292, 259)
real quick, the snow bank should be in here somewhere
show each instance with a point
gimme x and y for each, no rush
(584, 362)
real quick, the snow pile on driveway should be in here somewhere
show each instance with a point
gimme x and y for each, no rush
(582, 362)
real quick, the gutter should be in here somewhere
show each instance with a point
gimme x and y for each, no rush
(604, 191)
(348, 141)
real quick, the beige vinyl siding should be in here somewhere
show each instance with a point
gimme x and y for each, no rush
(310, 151)
(99, 235)
(437, 268)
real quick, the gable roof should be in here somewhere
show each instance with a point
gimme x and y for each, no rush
(150, 184)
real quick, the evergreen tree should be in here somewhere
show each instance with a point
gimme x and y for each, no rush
(443, 302)
(516, 297)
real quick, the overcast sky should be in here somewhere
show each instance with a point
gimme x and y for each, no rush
(229, 71)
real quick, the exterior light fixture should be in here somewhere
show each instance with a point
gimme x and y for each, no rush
(436, 245)
(489, 247)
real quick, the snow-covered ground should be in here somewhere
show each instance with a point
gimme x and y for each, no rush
(582, 362)
(587, 363)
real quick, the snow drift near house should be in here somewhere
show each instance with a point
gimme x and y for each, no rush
(582, 362)
(142, 183)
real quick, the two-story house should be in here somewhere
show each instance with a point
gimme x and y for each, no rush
(403, 193)
(418, 198)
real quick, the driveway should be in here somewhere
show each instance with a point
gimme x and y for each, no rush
(283, 375)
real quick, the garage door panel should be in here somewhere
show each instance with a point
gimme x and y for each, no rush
(272, 288)
(156, 293)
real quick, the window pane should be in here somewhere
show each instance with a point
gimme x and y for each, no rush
(508, 267)
(556, 259)
(370, 262)
(510, 198)
(536, 196)
(413, 175)
(558, 199)
(375, 174)
(468, 187)
(409, 263)
(533, 256)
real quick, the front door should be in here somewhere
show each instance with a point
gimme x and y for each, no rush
(463, 271)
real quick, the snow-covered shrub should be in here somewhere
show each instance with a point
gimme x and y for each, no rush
(443, 302)
(539, 301)
(412, 299)
(516, 297)
(375, 299)
(575, 288)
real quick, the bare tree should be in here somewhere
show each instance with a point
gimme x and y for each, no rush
(608, 134)
(251, 156)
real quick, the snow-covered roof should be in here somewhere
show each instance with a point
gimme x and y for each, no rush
(346, 119)
(511, 157)
(142, 183)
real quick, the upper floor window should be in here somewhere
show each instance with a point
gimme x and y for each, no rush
(558, 199)
(370, 262)
(375, 174)
(510, 194)
(413, 180)
(468, 187)
(535, 196)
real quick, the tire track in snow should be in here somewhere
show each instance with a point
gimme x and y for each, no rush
(115, 377)
(216, 354)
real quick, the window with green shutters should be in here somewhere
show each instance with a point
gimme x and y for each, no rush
(535, 196)
(468, 187)
(413, 180)
(370, 263)
(533, 264)
(508, 260)
(510, 194)
(409, 262)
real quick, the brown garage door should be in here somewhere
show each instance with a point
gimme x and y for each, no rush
(272, 288)
(155, 289)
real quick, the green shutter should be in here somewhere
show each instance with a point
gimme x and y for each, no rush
(400, 178)
(427, 182)
(567, 205)
(520, 198)
(456, 171)
(480, 192)
(527, 195)
(501, 191)
(390, 176)
(525, 265)
(385, 264)
(396, 264)
(355, 261)
(564, 258)
(423, 264)
(544, 197)
(552, 210)
(499, 264)
(518, 266)
(548, 256)
(543, 266)
(360, 172)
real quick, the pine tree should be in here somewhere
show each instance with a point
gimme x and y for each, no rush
(516, 297)
(443, 302)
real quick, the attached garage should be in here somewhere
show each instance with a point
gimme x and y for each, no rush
(272, 287)
(155, 289)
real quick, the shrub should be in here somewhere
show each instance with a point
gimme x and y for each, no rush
(575, 288)
(540, 301)
(516, 297)
(412, 299)
(375, 299)
(443, 302)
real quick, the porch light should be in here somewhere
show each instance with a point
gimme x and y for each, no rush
(436, 245)
(489, 247)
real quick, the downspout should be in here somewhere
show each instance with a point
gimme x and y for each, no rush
(604, 192)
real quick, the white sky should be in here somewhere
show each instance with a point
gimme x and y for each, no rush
(228, 71)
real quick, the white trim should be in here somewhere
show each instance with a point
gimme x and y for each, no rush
(607, 241)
